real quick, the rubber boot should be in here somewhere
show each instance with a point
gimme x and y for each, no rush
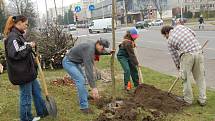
(129, 86)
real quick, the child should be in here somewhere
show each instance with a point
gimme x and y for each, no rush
(128, 59)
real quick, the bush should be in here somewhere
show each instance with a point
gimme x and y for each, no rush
(52, 46)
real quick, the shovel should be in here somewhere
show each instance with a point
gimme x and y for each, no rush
(139, 70)
(50, 102)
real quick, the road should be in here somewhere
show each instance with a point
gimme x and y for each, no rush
(152, 49)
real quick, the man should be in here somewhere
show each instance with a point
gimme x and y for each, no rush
(84, 54)
(201, 22)
(189, 60)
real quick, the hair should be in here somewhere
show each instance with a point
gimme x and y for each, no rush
(166, 29)
(11, 21)
(128, 36)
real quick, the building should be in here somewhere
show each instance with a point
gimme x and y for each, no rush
(60, 12)
(199, 5)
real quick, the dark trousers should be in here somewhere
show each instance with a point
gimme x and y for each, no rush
(129, 70)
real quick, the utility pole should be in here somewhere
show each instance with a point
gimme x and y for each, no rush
(125, 14)
(181, 10)
(63, 13)
(56, 11)
(114, 44)
(103, 16)
(47, 17)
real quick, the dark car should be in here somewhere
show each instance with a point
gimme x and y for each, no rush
(142, 24)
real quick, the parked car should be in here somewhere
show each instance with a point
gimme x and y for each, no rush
(72, 27)
(157, 22)
(182, 20)
(142, 24)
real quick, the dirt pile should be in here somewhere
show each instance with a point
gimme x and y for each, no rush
(153, 98)
(65, 81)
(146, 104)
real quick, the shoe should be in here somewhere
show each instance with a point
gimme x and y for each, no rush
(36, 119)
(201, 103)
(90, 97)
(181, 99)
(45, 113)
(87, 111)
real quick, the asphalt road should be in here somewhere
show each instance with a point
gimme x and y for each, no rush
(152, 49)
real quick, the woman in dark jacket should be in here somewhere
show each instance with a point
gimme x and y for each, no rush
(21, 68)
(128, 59)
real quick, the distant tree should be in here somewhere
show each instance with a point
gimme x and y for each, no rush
(159, 6)
(143, 6)
(2, 16)
(23, 7)
(69, 17)
(60, 20)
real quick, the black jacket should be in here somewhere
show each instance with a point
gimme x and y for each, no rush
(20, 62)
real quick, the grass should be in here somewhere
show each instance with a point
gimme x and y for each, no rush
(66, 98)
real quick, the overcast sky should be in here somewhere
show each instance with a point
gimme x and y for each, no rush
(50, 4)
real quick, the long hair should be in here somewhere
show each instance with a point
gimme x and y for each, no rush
(128, 36)
(11, 21)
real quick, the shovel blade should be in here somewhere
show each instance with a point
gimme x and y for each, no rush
(51, 106)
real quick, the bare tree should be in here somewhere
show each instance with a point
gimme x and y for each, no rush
(159, 6)
(23, 7)
(143, 6)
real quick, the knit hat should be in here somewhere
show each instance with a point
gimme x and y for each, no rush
(104, 42)
(134, 33)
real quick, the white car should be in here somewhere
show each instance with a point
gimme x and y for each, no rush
(157, 22)
(72, 27)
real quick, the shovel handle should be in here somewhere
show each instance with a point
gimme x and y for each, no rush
(139, 68)
(42, 75)
(140, 74)
(170, 89)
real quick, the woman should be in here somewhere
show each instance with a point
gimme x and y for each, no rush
(128, 60)
(21, 68)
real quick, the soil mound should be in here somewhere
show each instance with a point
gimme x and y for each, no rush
(146, 104)
(153, 98)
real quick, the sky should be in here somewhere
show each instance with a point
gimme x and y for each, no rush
(50, 4)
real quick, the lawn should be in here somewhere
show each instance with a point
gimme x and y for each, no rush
(66, 98)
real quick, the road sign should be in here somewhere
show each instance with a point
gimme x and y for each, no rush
(77, 8)
(91, 7)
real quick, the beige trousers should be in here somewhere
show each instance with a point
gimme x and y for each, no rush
(192, 67)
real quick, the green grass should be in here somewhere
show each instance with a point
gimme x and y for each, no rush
(66, 98)
(1, 44)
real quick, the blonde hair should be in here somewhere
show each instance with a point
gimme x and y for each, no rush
(8, 26)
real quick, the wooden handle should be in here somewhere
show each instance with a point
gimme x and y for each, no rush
(139, 69)
(140, 75)
(42, 76)
(205, 43)
(170, 89)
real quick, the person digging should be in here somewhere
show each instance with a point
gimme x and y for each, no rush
(128, 60)
(84, 54)
(188, 57)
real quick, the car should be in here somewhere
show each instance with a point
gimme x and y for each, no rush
(72, 27)
(142, 24)
(157, 22)
(182, 20)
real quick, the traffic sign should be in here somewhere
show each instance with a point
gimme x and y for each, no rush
(91, 7)
(77, 9)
